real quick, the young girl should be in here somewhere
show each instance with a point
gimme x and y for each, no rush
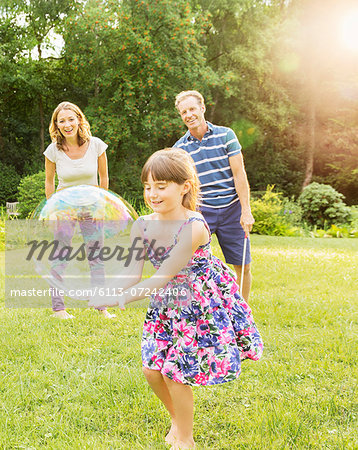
(197, 328)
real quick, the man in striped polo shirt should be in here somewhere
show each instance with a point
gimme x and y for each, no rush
(225, 190)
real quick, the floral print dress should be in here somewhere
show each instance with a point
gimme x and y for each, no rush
(198, 328)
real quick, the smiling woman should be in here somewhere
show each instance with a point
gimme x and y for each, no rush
(77, 158)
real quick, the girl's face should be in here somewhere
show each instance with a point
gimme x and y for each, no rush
(67, 122)
(164, 196)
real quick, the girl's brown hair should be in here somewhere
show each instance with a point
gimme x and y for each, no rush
(177, 166)
(84, 132)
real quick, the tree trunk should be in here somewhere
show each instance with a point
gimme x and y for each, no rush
(2, 147)
(311, 142)
(96, 87)
(311, 95)
(42, 125)
(41, 111)
(216, 99)
(212, 110)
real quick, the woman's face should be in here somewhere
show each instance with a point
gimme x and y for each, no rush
(67, 122)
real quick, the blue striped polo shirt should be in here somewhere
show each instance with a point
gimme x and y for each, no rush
(211, 156)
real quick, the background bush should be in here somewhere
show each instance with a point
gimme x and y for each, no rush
(292, 210)
(354, 217)
(31, 193)
(9, 180)
(273, 216)
(322, 206)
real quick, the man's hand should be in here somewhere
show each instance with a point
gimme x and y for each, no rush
(247, 221)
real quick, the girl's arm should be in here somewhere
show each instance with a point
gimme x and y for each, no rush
(130, 275)
(50, 170)
(190, 238)
(103, 171)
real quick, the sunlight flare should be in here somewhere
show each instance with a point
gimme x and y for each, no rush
(349, 30)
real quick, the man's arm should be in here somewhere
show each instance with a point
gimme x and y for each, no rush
(243, 191)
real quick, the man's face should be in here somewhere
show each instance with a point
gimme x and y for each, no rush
(192, 113)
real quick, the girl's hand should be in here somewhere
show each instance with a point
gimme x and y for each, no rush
(107, 300)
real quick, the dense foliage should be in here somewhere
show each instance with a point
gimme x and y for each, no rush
(272, 217)
(323, 206)
(9, 180)
(292, 103)
(133, 60)
(31, 193)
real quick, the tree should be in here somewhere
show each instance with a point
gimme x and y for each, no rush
(241, 49)
(41, 17)
(269, 69)
(29, 77)
(137, 57)
(337, 163)
(314, 67)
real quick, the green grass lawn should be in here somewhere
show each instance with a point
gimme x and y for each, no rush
(78, 384)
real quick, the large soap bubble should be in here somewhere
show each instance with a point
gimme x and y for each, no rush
(83, 240)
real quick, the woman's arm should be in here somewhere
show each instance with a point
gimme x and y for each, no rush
(50, 171)
(103, 171)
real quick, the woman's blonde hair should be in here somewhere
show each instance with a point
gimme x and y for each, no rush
(84, 132)
(177, 166)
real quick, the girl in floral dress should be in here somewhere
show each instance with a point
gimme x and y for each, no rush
(198, 328)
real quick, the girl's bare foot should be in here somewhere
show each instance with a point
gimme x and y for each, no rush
(183, 445)
(107, 314)
(63, 314)
(170, 438)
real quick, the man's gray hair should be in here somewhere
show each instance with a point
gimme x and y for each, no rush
(184, 94)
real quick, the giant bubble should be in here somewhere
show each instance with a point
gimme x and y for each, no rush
(82, 242)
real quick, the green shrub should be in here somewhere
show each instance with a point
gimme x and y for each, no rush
(339, 232)
(9, 180)
(271, 215)
(323, 206)
(292, 210)
(335, 232)
(31, 193)
(354, 217)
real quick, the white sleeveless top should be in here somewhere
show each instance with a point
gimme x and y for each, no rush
(74, 172)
